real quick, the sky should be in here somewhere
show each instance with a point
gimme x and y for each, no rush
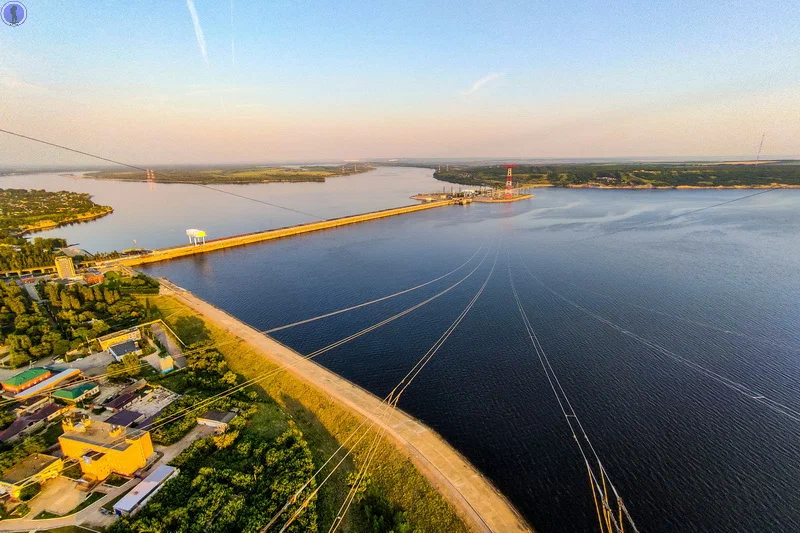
(202, 81)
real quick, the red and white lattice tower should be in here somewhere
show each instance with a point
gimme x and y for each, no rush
(509, 183)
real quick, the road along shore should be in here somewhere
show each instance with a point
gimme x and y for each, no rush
(478, 502)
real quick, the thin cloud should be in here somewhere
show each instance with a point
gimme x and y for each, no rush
(12, 81)
(198, 30)
(481, 83)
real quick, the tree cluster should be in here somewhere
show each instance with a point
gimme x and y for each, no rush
(26, 327)
(72, 316)
(206, 373)
(17, 254)
(23, 209)
(231, 483)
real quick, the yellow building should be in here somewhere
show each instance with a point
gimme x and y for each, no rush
(65, 267)
(102, 448)
(36, 468)
(118, 337)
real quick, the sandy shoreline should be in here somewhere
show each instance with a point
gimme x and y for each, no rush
(478, 502)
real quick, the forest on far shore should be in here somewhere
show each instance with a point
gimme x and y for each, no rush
(626, 175)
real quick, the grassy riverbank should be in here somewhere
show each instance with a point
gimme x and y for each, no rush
(325, 423)
(234, 175)
(24, 211)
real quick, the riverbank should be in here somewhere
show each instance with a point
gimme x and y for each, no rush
(232, 175)
(414, 467)
(45, 225)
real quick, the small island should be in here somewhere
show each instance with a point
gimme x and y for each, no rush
(734, 175)
(233, 175)
(24, 211)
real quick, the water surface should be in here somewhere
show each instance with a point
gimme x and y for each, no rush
(633, 325)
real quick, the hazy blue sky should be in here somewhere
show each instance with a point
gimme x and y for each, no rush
(257, 81)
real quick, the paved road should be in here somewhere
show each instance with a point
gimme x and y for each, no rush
(485, 509)
(28, 524)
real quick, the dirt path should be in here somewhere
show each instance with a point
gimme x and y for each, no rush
(484, 508)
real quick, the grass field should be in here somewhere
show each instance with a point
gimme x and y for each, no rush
(324, 423)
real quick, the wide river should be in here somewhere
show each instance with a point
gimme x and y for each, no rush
(677, 344)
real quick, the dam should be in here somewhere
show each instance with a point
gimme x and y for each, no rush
(174, 252)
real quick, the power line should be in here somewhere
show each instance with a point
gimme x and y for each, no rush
(206, 402)
(598, 487)
(121, 163)
(389, 403)
(735, 386)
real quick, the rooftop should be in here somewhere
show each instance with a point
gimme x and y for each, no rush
(218, 416)
(115, 334)
(48, 383)
(101, 434)
(26, 376)
(120, 401)
(75, 392)
(129, 502)
(31, 465)
(124, 418)
(123, 348)
(44, 412)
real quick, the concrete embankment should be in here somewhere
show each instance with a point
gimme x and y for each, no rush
(166, 254)
(482, 507)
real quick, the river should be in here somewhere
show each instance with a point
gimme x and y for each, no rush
(677, 343)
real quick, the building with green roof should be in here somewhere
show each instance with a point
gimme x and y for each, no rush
(77, 393)
(25, 380)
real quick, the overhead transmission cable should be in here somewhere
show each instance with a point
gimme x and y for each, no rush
(135, 167)
(735, 386)
(204, 403)
(99, 377)
(388, 403)
(611, 520)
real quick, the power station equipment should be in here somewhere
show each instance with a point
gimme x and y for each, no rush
(509, 182)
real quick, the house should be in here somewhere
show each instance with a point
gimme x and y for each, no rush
(92, 277)
(36, 468)
(107, 341)
(32, 422)
(216, 419)
(48, 384)
(134, 387)
(25, 380)
(124, 348)
(124, 418)
(141, 493)
(120, 401)
(103, 448)
(166, 364)
(77, 393)
(30, 405)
